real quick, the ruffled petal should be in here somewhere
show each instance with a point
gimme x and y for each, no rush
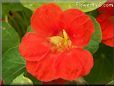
(87, 62)
(109, 42)
(44, 70)
(108, 32)
(34, 47)
(78, 26)
(74, 64)
(45, 19)
(31, 67)
(106, 22)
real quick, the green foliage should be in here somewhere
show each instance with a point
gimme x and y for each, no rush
(21, 80)
(19, 14)
(102, 71)
(29, 29)
(31, 5)
(6, 7)
(34, 80)
(20, 20)
(111, 82)
(9, 37)
(13, 65)
(96, 37)
(83, 5)
(93, 13)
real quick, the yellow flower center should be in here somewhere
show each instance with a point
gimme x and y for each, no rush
(61, 42)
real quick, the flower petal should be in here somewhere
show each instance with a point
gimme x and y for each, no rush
(34, 47)
(109, 42)
(87, 61)
(78, 25)
(31, 67)
(106, 22)
(45, 19)
(74, 64)
(45, 69)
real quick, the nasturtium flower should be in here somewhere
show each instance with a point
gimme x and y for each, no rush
(106, 20)
(55, 48)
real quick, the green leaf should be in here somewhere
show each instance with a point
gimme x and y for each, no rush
(111, 82)
(83, 5)
(21, 80)
(0, 66)
(102, 71)
(93, 13)
(0, 9)
(31, 5)
(34, 80)
(6, 7)
(29, 29)
(96, 37)
(13, 65)
(9, 37)
(20, 20)
(26, 15)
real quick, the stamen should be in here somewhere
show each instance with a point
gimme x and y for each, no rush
(56, 40)
(65, 35)
(61, 42)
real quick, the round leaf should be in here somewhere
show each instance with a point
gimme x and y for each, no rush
(83, 5)
(9, 37)
(96, 37)
(31, 5)
(102, 71)
(21, 80)
(12, 65)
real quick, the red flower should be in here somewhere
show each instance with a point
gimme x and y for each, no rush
(55, 49)
(107, 8)
(106, 20)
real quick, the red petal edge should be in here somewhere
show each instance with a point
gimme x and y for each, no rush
(45, 19)
(78, 25)
(34, 47)
(74, 63)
